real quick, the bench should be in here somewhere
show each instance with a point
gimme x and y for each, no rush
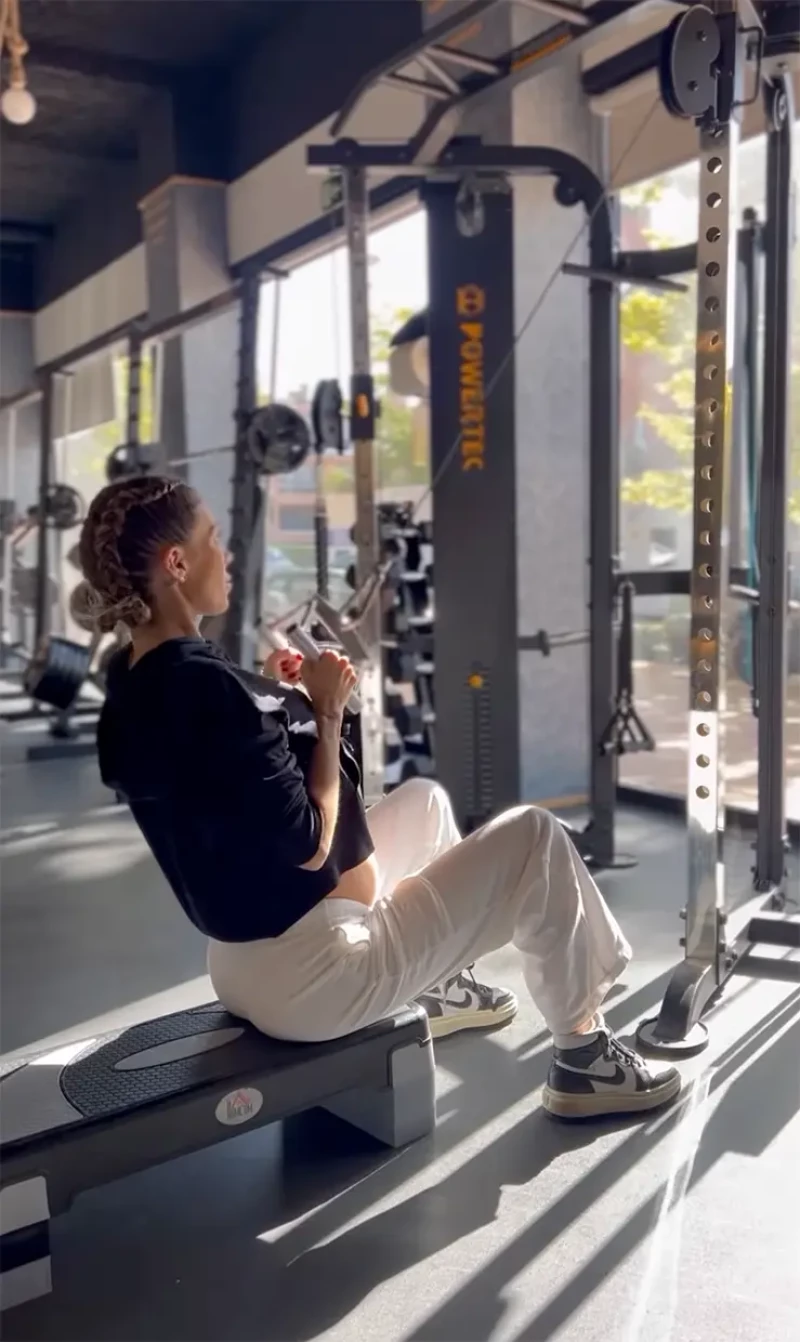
(104, 1108)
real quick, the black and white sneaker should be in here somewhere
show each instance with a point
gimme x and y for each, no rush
(461, 1003)
(605, 1077)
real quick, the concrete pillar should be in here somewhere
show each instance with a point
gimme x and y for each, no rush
(552, 440)
(185, 236)
(18, 476)
(534, 537)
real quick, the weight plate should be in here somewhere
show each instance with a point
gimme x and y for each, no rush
(64, 507)
(57, 672)
(279, 439)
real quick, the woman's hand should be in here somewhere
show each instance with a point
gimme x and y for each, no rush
(284, 665)
(330, 682)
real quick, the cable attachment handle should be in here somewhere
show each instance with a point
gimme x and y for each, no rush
(625, 734)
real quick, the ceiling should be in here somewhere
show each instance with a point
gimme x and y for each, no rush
(92, 64)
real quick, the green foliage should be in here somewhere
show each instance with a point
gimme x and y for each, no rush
(644, 193)
(660, 327)
(395, 427)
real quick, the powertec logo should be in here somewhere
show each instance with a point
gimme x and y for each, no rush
(470, 306)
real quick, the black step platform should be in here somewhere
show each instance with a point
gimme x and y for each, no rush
(103, 1108)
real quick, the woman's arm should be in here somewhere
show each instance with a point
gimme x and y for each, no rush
(323, 783)
(329, 681)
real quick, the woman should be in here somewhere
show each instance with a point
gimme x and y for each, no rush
(322, 918)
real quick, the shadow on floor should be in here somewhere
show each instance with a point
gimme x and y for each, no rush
(741, 1122)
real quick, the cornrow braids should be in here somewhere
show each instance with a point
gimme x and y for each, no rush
(127, 523)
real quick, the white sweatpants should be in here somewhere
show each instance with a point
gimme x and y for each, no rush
(443, 902)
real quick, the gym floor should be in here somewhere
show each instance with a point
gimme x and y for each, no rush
(503, 1225)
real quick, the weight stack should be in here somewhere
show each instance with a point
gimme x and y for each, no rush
(408, 663)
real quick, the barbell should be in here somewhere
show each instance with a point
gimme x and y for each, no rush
(277, 437)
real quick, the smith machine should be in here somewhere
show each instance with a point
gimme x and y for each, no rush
(709, 60)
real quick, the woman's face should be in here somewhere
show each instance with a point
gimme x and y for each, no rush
(203, 565)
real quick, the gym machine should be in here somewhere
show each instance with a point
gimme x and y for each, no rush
(704, 55)
(477, 716)
(707, 55)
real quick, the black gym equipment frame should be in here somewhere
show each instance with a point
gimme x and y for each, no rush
(575, 183)
(719, 942)
(712, 94)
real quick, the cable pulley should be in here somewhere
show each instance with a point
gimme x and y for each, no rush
(687, 70)
(278, 438)
(326, 416)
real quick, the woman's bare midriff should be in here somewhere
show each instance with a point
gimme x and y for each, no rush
(359, 884)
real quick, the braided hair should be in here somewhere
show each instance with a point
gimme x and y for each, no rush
(127, 524)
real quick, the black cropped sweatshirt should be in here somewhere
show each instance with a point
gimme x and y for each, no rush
(213, 764)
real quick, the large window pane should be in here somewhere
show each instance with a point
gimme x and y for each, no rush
(309, 341)
(656, 452)
(661, 688)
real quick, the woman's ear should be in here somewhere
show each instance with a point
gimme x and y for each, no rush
(174, 564)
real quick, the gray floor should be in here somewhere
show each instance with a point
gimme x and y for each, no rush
(504, 1225)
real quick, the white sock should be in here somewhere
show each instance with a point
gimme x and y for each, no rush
(579, 1040)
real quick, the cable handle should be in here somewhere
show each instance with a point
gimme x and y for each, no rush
(298, 638)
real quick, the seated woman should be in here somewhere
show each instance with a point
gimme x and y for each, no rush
(322, 917)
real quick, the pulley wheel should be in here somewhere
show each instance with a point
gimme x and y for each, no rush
(689, 48)
(688, 1047)
(326, 415)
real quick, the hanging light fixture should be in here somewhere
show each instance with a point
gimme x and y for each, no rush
(17, 103)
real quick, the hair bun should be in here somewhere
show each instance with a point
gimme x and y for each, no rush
(91, 611)
(86, 606)
(131, 610)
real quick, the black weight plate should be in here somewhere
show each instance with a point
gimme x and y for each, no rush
(279, 439)
(56, 676)
(64, 507)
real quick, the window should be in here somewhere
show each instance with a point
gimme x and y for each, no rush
(304, 336)
(656, 458)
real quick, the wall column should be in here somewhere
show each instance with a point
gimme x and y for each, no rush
(512, 558)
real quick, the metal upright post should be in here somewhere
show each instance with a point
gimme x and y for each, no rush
(771, 645)
(9, 491)
(240, 636)
(42, 612)
(133, 433)
(598, 839)
(705, 964)
(362, 433)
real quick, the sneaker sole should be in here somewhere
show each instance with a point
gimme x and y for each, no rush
(596, 1106)
(471, 1020)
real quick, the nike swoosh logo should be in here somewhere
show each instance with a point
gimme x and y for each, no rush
(613, 1078)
